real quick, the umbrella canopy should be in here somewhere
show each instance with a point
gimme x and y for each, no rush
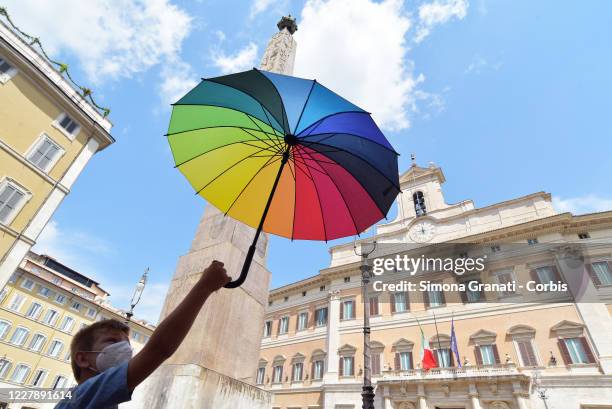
(284, 155)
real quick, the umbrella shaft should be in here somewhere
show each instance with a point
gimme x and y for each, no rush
(249, 257)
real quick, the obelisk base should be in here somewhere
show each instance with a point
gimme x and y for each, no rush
(192, 386)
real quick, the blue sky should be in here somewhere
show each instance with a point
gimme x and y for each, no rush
(508, 97)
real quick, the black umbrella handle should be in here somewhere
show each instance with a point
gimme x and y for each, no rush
(249, 257)
(245, 268)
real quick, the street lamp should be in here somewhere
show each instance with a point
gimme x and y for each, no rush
(364, 252)
(537, 381)
(137, 294)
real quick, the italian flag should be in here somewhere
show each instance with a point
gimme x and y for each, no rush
(428, 360)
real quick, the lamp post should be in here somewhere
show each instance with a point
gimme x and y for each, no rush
(364, 252)
(537, 380)
(137, 294)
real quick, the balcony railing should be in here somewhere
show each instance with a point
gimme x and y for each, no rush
(451, 373)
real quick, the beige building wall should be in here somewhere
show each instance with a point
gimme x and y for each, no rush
(38, 107)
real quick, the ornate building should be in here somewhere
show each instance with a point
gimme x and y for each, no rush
(43, 305)
(515, 352)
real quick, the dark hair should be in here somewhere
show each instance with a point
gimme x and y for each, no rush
(85, 338)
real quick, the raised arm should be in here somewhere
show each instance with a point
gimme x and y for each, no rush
(170, 333)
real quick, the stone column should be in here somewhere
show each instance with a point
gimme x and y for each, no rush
(521, 397)
(333, 337)
(421, 398)
(216, 364)
(474, 397)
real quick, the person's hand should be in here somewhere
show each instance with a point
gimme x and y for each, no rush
(215, 276)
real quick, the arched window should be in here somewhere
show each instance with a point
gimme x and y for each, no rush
(419, 203)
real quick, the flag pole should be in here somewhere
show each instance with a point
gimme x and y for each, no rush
(437, 334)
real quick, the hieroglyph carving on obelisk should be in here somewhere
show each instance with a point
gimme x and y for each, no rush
(216, 364)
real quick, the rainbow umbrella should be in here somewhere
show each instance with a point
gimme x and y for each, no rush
(284, 155)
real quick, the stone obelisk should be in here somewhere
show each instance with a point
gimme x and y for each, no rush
(216, 364)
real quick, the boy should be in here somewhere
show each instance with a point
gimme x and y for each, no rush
(101, 354)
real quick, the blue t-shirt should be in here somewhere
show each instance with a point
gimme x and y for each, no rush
(103, 391)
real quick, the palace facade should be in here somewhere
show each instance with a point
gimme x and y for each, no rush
(515, 352)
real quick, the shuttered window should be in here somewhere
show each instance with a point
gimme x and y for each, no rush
(10, 199)
(576, 351)
(528, 357)
(44, 154)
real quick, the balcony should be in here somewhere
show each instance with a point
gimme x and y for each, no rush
(472, 371)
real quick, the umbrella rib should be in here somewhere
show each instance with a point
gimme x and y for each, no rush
(314, 82)
(273, 146)
(268, 162)
(278, 144)
(294, 193)
(360, 158)
(360, 184)
(247, 93)
(219, 147)
(340, 192)
(320, 120)
(318, 197)
(285, 119)
(226, 169)
(269, 124)
(269, 149)
(351, 134)
(225, 107)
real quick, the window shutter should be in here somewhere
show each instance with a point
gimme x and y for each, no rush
(341, 367)
(478, 355)
(534, 276)
(352, 309)
(307, 319)
(496, 354)
(410, 358)
(442, 298)
(407, 301)
(591, 272)
(302, 372)
(392, 302)
(587, 350)
(342, 311)
(451, 359)
(426, 299)
(375, 364)
(564, 352)
(463, 295)
(397, 362)
(556, 273)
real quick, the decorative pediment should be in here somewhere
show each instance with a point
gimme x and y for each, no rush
(483, 337)
(403, 345)
(262, 362)
(567, 329)
(522, 331)
(279, 359)
(347, 350)
(298, 358)
(376, 346)
(414, 173)
(439, 341)
(317, 354)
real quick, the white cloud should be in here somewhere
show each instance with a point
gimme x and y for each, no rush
(111, 38)
(259, 6)
(241, 60)
(359, 49)
(177, 79)
(479, 64)
(82, 251)
(579, 205)
(438, 12)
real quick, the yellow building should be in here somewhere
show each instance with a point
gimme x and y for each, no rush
(48, 133)
(519, 349)
(43, 305)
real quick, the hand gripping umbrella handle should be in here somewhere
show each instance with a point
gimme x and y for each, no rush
(249, 257)
(245, 268)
